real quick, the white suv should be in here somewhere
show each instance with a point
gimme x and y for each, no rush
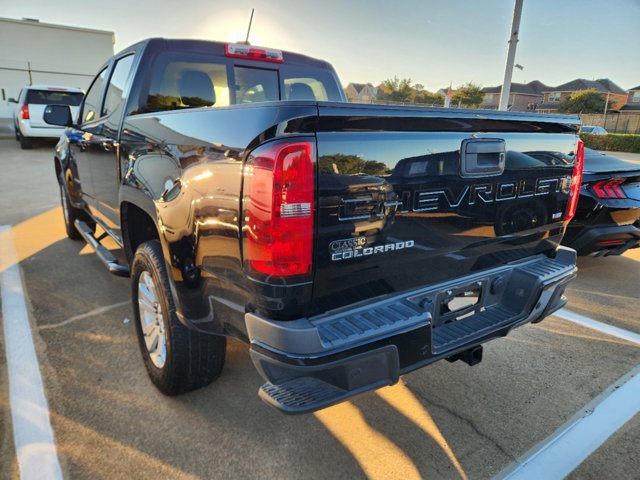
(33, 99)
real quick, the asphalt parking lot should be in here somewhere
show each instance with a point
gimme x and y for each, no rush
(444, 421)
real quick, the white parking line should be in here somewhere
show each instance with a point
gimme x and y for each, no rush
(561, 453)
(32, 433)
(595, 325)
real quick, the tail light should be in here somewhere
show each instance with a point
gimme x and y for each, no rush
(576, 182)
(609, 188)
(24, 112)
(278, 209)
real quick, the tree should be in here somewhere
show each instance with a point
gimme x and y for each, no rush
(351, 164)
(428, 98)
(585, 101)
(468, 95)
(396, 90)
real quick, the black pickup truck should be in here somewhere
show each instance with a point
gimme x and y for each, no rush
(347, 244)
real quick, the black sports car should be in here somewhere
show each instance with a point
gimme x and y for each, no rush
(607, 221)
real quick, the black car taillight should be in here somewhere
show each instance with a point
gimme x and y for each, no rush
(576, 182)
(278, 204)
(609, 188)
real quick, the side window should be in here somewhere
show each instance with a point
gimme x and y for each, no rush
(115, 91)
(304, 89)
(91, 105)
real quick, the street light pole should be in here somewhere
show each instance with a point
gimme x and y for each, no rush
(511, 56)
(606, 107)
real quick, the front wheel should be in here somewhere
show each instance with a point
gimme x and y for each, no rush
(71, 214)
(177, 358)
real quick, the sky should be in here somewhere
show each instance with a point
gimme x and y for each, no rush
(432, 42)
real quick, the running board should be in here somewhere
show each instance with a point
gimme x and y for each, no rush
(105, 256)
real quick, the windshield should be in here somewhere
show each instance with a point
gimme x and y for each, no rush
(53, 97)
(587, 129)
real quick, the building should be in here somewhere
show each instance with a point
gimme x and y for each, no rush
(361, 92)
(41, 53)
(522, 97)
(632, 104)
(556, 96)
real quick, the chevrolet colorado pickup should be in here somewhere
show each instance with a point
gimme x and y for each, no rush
(347, 244)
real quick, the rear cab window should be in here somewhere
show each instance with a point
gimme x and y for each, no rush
(53, 97)
(179, 80)
(115, 94)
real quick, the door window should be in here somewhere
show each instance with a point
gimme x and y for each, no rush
(91, 105)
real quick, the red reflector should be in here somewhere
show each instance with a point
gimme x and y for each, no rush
(576, 181)
(253, 53)
(610, 242)
(279, 208)
(24, 112)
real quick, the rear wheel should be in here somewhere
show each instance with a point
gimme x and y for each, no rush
(25, 142)
(177, 358)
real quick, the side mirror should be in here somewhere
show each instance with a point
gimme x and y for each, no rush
(59, 115)
(12, 100)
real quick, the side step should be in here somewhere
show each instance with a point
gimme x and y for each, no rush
(308, 394)
(294, 389)
(103, 253)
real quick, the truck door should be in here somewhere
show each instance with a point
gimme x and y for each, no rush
(104, 148)
(80, 138)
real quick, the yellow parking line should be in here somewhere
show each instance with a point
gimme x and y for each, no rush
(35, 234)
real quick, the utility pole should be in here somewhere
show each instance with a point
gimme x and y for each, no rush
(606, 107)
(29, 69)
(511, 56)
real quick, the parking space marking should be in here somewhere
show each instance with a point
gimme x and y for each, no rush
(32, 432)
(599, 326)
(572, 443)
(82, 316)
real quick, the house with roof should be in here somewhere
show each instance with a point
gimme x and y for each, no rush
(554, 97)
(522, 96)
(632, 104)
(361, 92)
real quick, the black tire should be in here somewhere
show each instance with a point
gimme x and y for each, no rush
(193, 359)
(25, 143)
(70, 214)
(16, 132)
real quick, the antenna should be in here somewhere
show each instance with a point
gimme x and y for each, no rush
(246, 41)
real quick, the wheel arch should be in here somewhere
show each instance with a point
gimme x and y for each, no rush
(137, 227)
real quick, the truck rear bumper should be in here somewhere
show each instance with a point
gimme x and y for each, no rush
(313, 363)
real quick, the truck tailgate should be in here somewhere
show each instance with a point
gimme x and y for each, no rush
(414, 197)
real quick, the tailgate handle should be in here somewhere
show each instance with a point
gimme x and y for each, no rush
(481, 157)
